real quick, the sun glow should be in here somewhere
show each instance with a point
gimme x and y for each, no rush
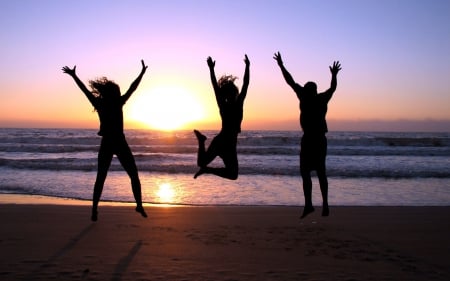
(165, 108)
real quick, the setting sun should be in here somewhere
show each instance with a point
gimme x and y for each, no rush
(165, 108)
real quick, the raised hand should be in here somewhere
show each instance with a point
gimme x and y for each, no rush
(335, 68)
(210, 62)
(69, 71)
(246, 60)
(277, 57)
(144, 67)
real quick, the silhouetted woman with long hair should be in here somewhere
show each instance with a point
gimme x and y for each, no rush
(108, 102)
(231, 105)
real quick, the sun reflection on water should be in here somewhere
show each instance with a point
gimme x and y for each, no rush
(165, 193)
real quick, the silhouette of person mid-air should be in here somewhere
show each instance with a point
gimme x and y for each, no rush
(231, 104)
(313, 150)
(108, 102)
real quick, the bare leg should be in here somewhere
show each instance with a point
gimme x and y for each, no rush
(127, 160)
(223, 146)
(203, 158)
(136, 187)
(201, 148)
(306, 146)
(307, 192)
(323, 181)
(231, 170)
(228, 173)
(104, 161)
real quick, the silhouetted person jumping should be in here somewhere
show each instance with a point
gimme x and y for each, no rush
(313, 150)
(108, 102)
(231, 105)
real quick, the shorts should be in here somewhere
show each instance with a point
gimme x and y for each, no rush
(313, 152)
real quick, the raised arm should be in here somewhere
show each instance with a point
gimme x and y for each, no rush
(334, 71)
(212, 74)
(80, 84)
(244, 88)
(287, 76)
(135, 83)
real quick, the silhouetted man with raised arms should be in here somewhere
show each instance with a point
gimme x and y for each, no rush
(313, 150)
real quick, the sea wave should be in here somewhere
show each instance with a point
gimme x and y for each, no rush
(350, 154)
(337, 166)
(18, 149)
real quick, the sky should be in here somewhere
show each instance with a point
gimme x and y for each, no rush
(395, 57)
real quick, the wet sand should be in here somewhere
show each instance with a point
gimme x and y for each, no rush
(57, 241)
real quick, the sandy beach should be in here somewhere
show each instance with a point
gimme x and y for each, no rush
(49, 241)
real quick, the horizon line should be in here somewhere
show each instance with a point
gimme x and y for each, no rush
(360, 125)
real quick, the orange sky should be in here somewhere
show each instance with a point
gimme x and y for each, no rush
(395, 59)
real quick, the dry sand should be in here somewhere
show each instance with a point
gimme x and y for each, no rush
(59, 242)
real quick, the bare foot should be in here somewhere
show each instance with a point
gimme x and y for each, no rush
(140, 210)
(307, 210)
(200, 136)
(199, 173)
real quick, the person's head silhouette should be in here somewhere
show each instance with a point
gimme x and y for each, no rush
(228, 89)
(310, 88)
(105, 89)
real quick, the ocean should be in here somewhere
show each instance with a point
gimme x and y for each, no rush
(364, 168)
